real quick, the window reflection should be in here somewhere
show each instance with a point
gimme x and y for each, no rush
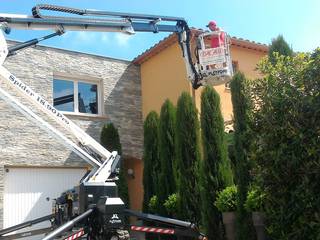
(87, 98)
(63, 95)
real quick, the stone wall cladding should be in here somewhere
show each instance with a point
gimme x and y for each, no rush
(22, 143)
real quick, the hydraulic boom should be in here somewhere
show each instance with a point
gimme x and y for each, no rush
(93, 208)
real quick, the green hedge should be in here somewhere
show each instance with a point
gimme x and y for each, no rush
(111, 141)
(287, 130)
(215, 167)
(188, 159)
(167, 141)
(242, 144)
(151, 159)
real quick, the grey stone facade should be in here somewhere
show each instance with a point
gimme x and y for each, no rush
(22, 143)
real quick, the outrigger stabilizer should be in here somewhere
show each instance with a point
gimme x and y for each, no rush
(92, 209)
(169, 226)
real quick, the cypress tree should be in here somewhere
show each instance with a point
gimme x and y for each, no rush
(167, 185)
(188, 158)
(241, 107)
(150, 158)
(280, 46)
(216, 171)
(110, 140)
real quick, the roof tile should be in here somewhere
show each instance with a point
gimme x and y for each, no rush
(171, 39)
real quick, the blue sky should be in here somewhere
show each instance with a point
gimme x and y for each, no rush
(258, 20)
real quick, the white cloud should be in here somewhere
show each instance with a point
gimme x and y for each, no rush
(122, 39)
(94, 39)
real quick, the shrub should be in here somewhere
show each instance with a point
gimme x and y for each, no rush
(227, 199)
(171, 204)
(150, 158)
(287, 142)
(111, 141)
(153, 204)
(242, 145)
(167, 141)
(255, 200)
(188, 158)
(216, 172)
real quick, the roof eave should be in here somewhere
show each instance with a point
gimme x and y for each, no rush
(172, 38)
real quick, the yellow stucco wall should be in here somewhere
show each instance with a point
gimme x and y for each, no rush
(164, 76)
(135, 186)
(247, 60)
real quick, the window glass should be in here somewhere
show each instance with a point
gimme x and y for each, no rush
(63, 95)
(87, 98)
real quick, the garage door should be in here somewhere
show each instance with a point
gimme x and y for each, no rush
(28, 192)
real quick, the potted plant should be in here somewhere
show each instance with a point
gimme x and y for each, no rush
(153, 204)
(255, 205)
(226, 203)
(171, 204)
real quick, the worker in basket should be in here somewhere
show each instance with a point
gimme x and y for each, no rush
(218, 39)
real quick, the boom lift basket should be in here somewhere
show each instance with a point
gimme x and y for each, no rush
(213, 63)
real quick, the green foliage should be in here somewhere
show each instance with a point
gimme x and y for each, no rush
(153, 204)
(214, 142)
(232, 158)
(110, 140)
(255, 200)
(231, 154)
(150, 158)
(188, 157)
(216, 171)
(286, 144)
(229, 138)
(227, 199)
(241, 109)
(280, 46)
(171, 204)
(167, 184)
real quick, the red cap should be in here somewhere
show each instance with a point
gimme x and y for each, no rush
(212, 23)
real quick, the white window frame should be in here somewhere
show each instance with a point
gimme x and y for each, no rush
(75, 80)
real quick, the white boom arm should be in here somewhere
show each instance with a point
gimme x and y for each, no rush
(21, 22)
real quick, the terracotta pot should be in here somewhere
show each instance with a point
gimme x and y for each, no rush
(229, 220)
(258, 223)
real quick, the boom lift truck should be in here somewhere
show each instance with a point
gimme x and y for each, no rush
(92, 209)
